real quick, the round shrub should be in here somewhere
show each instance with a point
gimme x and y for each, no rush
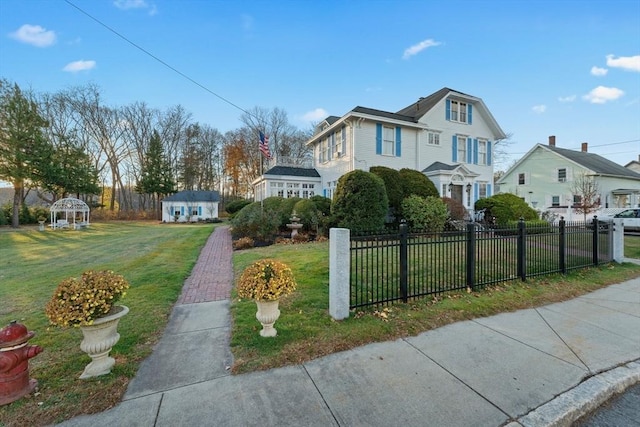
(310, 215)
(257, 222)
(425, 213)
(415, 182)
(234, 207)
(393, 186)
(360, 202)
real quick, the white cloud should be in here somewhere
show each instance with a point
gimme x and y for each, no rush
(136, 4)
(603, 94)
(34, 35)
(417, 48)
(539, 109)
(629, 63)
(597, 71)
(315, 115)
(82, 65)
(569, 98)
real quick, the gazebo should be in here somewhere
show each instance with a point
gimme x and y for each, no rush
(69, 211)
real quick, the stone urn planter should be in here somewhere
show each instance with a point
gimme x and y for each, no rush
(266, 281)
(99, 339)
(267, 315)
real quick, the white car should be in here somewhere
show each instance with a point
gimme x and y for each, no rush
(630, 219)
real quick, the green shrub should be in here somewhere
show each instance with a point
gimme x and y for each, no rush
(426, 214)
(25, 215)
(310, 215)
(360, 202)
(415, 182)
(234, 206)
(257, 222)
(393, 186)
(505, 207)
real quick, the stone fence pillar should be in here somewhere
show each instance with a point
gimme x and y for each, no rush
(618, 240)
(339, 272)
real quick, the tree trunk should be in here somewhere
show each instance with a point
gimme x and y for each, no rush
(17, 200)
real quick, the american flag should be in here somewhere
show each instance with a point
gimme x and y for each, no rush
(264, 145)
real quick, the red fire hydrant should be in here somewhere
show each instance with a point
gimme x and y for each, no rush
(14, 362)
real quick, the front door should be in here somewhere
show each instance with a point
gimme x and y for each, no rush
(456, 193)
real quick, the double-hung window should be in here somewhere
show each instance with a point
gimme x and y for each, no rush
(562, 175)
(458, 111)
(388, 141)
(462, 149)
(434, 138)
(482, 152)
(555, 201)
(521, 179)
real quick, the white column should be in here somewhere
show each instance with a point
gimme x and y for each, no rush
(339, 272)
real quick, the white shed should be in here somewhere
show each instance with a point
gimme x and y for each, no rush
(190, 206)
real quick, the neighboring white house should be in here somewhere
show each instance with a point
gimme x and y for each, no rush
(190, 206)
(545, 178)
(448, 135)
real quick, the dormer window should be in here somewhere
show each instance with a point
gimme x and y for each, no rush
(458, 111)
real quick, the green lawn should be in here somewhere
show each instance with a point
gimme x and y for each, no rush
(154, 258)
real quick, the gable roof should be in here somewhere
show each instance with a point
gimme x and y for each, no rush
(594, 162)
(293, 171)
(193, 196)
(424, 104)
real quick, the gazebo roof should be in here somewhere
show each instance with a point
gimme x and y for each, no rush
(69, 204)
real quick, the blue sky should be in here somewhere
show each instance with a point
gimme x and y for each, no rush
(569, 68)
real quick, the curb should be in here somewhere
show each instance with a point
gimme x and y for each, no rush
(583, 399)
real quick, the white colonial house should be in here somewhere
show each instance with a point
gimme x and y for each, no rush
(448, 135)
(546, 179)
(190, 206)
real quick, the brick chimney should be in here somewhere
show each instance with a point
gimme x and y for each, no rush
(584, 147)
(552, 141)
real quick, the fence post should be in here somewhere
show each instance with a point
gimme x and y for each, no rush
(618, 240)
(522, 270)
(596, 233)
(562, 245)
(471, 255)
(404, 264)
(339, 272)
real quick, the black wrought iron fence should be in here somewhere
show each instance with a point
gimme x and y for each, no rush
(399, 266)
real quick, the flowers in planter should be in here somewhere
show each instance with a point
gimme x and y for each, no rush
(266, 279)
(79, 301)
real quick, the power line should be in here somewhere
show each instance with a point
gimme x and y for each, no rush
(159, 60)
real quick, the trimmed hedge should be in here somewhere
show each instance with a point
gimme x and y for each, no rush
(360, 202)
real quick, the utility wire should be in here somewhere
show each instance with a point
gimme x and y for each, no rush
(159, 60)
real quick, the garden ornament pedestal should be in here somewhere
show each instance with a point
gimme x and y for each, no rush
(267, 315)
(14, 362)
(98, 340)
(295, 225)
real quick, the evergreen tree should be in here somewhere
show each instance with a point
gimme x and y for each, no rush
(156, 178)
(24, 151)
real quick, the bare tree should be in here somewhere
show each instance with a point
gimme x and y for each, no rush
(585, 192)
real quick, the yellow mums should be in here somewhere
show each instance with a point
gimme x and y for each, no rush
(266, 279)
(79, 301)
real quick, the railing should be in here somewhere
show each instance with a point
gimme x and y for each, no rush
(404, 265)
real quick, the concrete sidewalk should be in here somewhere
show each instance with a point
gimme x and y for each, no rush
(537, 367)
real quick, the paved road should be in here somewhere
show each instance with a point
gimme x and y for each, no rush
(623, 410)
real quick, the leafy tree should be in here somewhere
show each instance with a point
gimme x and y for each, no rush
(425, 213)
(156, 178)
(71, 172)
(257, 222)
(24, 151)
(360, 202)
(393, 186)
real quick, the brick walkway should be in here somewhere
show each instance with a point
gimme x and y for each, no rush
(212, 276)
